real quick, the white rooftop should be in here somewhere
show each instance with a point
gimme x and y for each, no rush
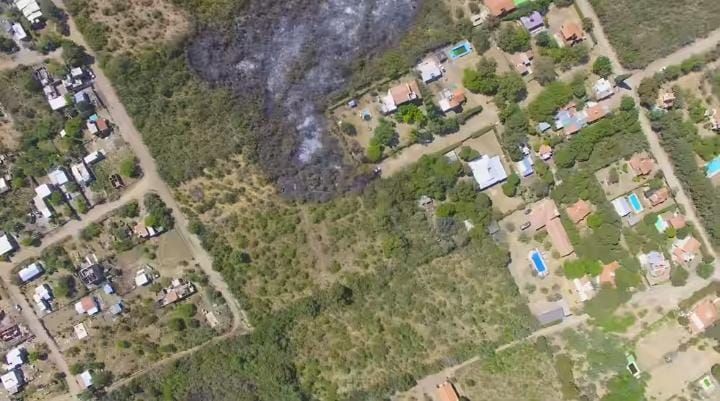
(43, 191)
(6, 245)
(81, 173)
(80, 331)
(57, 103)
(488, 171)
(11, 381)
(30, 272)
(4, 187)
(429, 70)
(622, 207)
(95, 156)
(15, 357)
(58, 177)
(141, 279)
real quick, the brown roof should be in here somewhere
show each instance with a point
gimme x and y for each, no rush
(458, 98)
(88, 303)
(704, 315)
(659, 196)
(545, 149)
(578, 211)
(405, 92)
(558, 237)
(102, 124)
(446, 392)
(642, 165)
(571, 31)
(607, 276)
(499, 7)
(677, 221)
(542, 212)
(691, 245)
(595, 113)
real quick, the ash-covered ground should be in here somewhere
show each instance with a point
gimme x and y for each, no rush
(289, 56)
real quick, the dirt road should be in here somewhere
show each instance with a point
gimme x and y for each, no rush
(27, 57)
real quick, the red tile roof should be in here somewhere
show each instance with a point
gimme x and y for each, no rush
(499, 7)
(542, 212)
(595, 113)
(642, 165)
(659, 196)
(571, 32)
(677, 221)
(607, 276)
(704, 315)
(578, 211)
(559, 237)
(446, 392)
(405, 92)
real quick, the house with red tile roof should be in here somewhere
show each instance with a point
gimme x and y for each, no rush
(641, 164)
(447, 392)
(545, 152)
(498, 8)
(685, 250)
(571, 33)
(607, 276)
(398, 95)
(452, 100)
(657, 196)
(595, 113)
(545, 215)
(703, 316)
(579, 210)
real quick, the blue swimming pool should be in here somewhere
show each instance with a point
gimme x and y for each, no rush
(635, 203)
(459, 50)
(713, 167)
(538, 262)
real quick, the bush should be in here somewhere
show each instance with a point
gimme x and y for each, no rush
(513, 39)
(8, 45)
(581, 267)
(468, 154)
(553, 97)
(348, 129)
(510, 187)
(129, 167)
(705, 270)
(678, 276)
(481, 39)
(602, 67)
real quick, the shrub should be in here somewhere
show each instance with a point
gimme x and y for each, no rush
(705, 270)
(678, 276)
(510, 187)
(602, 67)
(468, 154)
(513, 39)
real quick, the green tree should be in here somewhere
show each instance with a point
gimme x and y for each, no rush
(602, 67)
(348, 129)
(481, 39)
(73, 55)
(587, 24)
(544, 70)
(705, 270)
(385, 134)
(513, 39)
(467, 153)
(627, 103)
(7, 45)
(678, 276)
(128, 167)
(510, 186)
(374, 153)
(511, 88)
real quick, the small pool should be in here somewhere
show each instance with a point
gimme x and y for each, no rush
(459, 50)
(661, 225)
(538, 263)
(713, 167)
(635, 203)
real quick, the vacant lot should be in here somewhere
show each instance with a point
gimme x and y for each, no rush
(644, 30)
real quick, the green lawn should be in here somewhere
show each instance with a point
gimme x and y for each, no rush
(644, 30)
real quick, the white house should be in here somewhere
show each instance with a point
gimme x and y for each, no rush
(94, 157)
(622, 207)
(7, 244)
(18, 32)
(429, 69)
(85, 379)
(32, 271)
(16, 357)
(488, 171)
(81, 173)
(603, 89)
(30, 9)
(58, 177)
(4, 187)
(12, 381)
(87, 305)
(43, 296)
(43, 192)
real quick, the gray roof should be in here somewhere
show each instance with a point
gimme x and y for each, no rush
(551, 316)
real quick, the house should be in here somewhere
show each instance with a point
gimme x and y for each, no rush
(545, 215)
(81, 97)
(43, 296)
(398, 95)
(141, 278)
(58, 177)
(178, 290)
(676, 220)
(525, 166)
(534, 23)
(4, 187)
(570, 120)
(31, 272)
(85, 379)
(447, 392)
(55, 95)
(584, 288)
(488, 171)
(16, 357)
(18, 32)
(714, 120)
(548, 313)
(81, 173)
(116, 309)
(429, 69)
(642, 165)
(578, 211)
(595, 112)
(607, 276)
(9, 329)
(667, 100)
(684, 250)
(94, 157)
(571, 33)
(143, 231)
(92, 275)
(87, 305)
(7, 244)
(451, 100)
(43, 192)
(622, 207)
(703, 316)
(657, 268)
(12, 381)
(545, 151)
(603, 89)
(498, 8)
(542, 127)
(657, 196)
(31, 10)
(522, 62)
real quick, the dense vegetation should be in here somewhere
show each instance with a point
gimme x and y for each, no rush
(678, 137)
(644, 30)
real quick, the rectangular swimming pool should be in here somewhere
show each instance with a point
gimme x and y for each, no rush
(635, 203)
(538, 262)
(713, 167)
(459, 50)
